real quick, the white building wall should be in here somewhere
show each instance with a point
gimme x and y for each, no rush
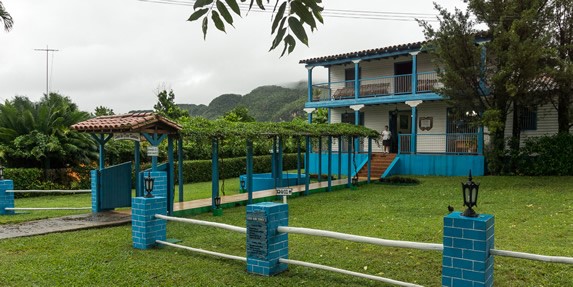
(433, 140)
(547, 123)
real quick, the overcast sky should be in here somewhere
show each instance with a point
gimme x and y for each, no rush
(116, 53)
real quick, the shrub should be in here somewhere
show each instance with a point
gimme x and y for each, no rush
(547, 155)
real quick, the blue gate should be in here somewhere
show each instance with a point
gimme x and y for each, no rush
(115, 186)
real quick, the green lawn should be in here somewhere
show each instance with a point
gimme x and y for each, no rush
(533, 214)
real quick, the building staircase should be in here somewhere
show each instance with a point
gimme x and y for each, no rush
(380, 162)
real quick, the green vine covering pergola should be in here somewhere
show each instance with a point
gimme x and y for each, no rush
(206, 129)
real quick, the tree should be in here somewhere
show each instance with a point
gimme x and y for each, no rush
(39, 134)
(289, 18)
(166, 105)
(238, 114)
(489, 72)
(103, 111)
(560, 66)
(6, 18)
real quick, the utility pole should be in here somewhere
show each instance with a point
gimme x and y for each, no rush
(47, 65)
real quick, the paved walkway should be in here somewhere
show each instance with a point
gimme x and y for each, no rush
(113, 218)
(66, 223)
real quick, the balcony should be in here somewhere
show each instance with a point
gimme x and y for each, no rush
(375, 87)
(451, 143)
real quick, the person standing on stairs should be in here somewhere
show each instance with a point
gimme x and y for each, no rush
(386, 139)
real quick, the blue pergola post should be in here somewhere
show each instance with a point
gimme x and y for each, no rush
(349, 161)
(306, 166)
(297, 160)
(369, 158)
(137, 168)
(280, 163)
(101, 141)
(339, 157)
(171, 187)
(309, 83)
(413, 105)
(180, 167)
(154, 140)
(214, 172)
(356, 78)
(249, 179)
(319, 159)
(329, 163)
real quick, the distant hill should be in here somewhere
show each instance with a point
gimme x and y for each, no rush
(265, 103)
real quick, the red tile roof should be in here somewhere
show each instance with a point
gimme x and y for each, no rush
(127, 123)
(364, 53)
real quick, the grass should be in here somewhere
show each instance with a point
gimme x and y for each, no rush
(533, 214)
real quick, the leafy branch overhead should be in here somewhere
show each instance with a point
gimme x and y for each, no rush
(289, 18)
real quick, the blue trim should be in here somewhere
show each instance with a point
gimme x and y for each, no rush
(137, 168)
(214, 172)
(390, 169)
(414, 74)
(369, 158)
(171, 175)
(249, 183)
(319, 159)
(309, 79)
(180, 167)
(357, 80)
(374, 101)
(414, 129)
(307, 166)
(329, 158)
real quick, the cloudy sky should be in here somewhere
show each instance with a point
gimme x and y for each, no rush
(116, 53)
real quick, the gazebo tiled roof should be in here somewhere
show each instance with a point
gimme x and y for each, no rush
(132, 122)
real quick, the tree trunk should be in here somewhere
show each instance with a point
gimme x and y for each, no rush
(563, 111)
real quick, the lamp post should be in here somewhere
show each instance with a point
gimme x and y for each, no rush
(470, 193)
(149, 181)
(218, 202)
(355, 180)
(243, 184)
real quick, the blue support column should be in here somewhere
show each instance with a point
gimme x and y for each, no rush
(145, 228)
(349, 162)
(309, 84)
(180, 180)
(356, 79)
(214, 172)
(155, 140)
(356, 123)
(249, 183)
(95, 186)
(298, 161)
(265, 245)
(171, 175)
(466, 259)
(369, 158)
(413, 148)
(339, 157)
(329, 163)
(137, 168)
(414, 72)
(101, 141)
(307, 166)
(6, 198)
(154, 158)
(480, 140)
(329, 85)
(319, 159)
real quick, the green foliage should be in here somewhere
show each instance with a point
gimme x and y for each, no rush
(39, 134)
(200, 170)
(6, 18)
(239, 114)
(166, 105)
(103, 111)
(547, 155)
(35, 178)
(288, 19)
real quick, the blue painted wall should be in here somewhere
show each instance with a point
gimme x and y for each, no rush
(435, 164)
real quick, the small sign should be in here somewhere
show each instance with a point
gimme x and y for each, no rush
(152, 151)
(127, 136)
(284, 191)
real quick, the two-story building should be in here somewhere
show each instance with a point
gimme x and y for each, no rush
(395, 86)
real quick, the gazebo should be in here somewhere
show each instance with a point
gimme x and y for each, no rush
(111, 186)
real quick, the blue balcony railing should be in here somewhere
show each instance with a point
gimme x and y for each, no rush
(375, 87)
(451, 143)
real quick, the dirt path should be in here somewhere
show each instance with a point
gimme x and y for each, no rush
(66, 223)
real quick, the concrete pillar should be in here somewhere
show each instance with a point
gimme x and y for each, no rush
(265, 245)
(466, 259)
(6, 198)
(145, 228)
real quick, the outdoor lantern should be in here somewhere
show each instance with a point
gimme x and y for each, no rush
(355, 180)
(217, 202)
(149, 181)
(470, 192)
(1, 172)
(243, 183)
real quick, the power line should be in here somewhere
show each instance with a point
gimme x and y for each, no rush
(334, 13)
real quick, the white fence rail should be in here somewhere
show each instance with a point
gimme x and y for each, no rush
(47, 208)
(49, 191)
(530, 256)
(362, 239)
(204, 223)
(202, 251)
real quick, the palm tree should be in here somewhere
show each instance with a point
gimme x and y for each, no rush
(6, 18)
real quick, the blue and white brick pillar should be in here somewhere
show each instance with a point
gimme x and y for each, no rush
(6, 198)
(145, 228)
(466, 259)
(159, 183)
(265, 245)
(94, 174)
